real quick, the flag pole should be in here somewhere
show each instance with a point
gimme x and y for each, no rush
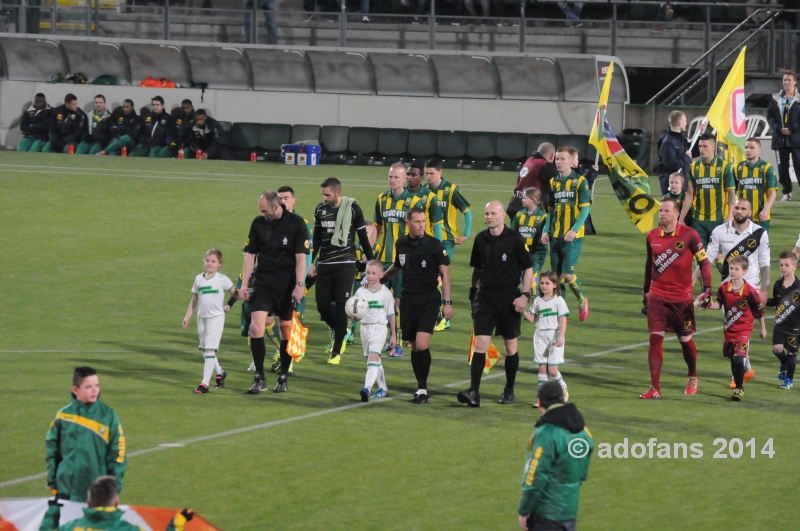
(698, 133)
(596, 162)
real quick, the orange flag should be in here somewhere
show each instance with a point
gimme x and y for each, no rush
(492, 355)
(297, 339)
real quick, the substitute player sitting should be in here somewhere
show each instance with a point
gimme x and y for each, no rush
(549, 311)
(208, 294)
(741, 303)
(668, 291)
(373, 328)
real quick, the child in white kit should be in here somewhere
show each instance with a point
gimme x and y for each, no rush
(208, 297)
(549, 311)
(373, 328)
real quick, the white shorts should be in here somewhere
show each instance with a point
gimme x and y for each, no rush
(373, 338)
(209, 331)
(545, 351)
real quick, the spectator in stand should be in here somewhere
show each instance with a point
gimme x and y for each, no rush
(183, 126)
(124, 129)
(783, 116)
(69, 126)
(268, 7)
(536, 172)
(673, 152)
(335, 6)
(572, 12)
(209, 137)
(35, 126)
(157, 134)
(100, 121)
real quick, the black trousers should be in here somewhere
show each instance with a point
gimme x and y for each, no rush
(782, 155)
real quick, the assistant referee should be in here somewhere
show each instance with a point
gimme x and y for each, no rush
(421, 259)
(276, 248)
(499, 258)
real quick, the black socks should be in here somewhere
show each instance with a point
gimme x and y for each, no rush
(259, 351)
(424, 367)
(737, 368)
(286, 359)
(512, 365)
(791, 364)
(476, 370)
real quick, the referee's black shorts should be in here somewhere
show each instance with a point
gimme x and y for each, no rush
(418, 313)
(272, 293)
(493, 312)
(334, 282)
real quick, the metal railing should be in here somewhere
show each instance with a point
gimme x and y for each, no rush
(651, 43)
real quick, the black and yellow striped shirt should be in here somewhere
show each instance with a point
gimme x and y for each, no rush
(711, 183)
(753, 182)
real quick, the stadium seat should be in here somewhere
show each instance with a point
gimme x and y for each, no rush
(363, 145)
(303, 133)
(392, 145)
(226, 126)
(580, 142)
(452, 148)
(536, 139)
(422, 143)
(511, 151)
(245, 137)
(272, 137)
(481, 150)
(333, 142)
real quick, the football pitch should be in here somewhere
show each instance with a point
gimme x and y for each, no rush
(99, 255)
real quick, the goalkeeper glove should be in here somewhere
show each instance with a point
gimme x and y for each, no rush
(705, 298)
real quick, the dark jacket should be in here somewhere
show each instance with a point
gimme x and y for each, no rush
(158, 130)
(183, 129)
(556, 465)
(36, 123)
(68, 127)
(122, 124)
(672, 155)
(100, 128)
(211, 139)
(775, 119)
(536, 172)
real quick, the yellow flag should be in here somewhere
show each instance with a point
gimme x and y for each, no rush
(630, 183)
(492, 355)
(727, 114)
(296, 347)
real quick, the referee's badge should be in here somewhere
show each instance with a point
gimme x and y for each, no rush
(402, 260)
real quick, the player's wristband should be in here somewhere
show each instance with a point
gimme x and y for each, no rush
(447, 302)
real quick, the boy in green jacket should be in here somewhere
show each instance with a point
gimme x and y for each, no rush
(104, 515)
(557, 463)
(85, 441)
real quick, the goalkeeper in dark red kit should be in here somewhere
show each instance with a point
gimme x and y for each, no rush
(671, 248)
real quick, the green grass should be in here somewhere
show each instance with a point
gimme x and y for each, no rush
(98, 259)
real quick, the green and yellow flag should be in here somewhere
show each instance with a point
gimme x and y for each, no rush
(727, 114)
(630, 183)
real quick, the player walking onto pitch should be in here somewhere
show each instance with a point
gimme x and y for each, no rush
(208, 294)
(532, 222)
(741, 304)
(568, 210)
(549, 312)
(668, 291)
(373, 328)
(786, 333)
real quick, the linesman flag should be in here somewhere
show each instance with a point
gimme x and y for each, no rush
(630, 183)
(492, 354)
(296, 347)
(727, 115)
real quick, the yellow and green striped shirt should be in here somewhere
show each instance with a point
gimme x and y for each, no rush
(451, 201)
(754, 183)
(390, 215)
(711, 183)
(530, 227)
(568, 196)
(427, 201)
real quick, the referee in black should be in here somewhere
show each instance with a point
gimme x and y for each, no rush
(421, 258)
(278, 244)
(499, 258)
(337, 220)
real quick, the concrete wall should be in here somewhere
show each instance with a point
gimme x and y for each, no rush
(323, 109)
